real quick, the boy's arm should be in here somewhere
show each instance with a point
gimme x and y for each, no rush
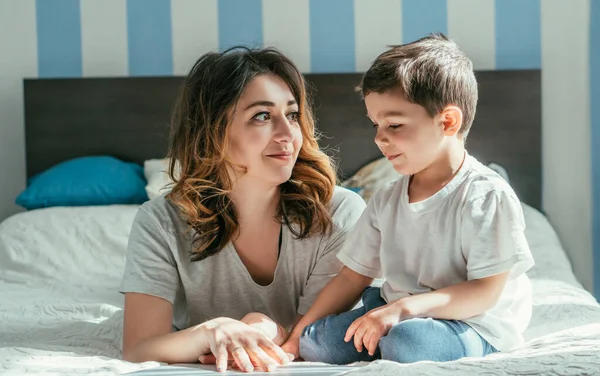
(340, 295)
(458, 302)
(495, 249)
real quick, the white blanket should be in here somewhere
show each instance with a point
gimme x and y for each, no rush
(61, 313)
(60, 270)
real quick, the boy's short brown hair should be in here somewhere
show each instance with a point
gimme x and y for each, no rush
(432, 72)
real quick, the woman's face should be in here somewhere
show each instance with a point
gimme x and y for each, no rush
(264, 134)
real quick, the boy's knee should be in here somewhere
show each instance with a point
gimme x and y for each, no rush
(316, 345)
(407, 342)
(255, 318)
(268, 326)
(312, 347)
(421, 340)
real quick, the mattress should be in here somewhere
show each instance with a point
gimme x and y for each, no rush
(61, 313)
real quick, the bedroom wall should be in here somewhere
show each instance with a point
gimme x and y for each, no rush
(73, 38)
(595, 130)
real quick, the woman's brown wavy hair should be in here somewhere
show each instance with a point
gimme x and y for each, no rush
(199, 143)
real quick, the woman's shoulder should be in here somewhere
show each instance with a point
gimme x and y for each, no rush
(345, 207)
(164, 212)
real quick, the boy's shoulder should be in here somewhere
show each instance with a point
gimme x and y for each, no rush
(483, 182)
(388, 192)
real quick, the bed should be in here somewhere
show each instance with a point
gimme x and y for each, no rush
(61, 267)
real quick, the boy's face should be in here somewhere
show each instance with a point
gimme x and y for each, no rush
(406, 134)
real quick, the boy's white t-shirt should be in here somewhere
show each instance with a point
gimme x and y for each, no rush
(471, 229)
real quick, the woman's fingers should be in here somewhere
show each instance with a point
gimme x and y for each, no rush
(241, 358)
(264, 361)
(207, 359)
(221, 358)
(276, 352)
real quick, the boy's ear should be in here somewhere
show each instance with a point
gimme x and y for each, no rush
(451, 118)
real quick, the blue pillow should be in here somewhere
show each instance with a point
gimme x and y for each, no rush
(358, 190)
(86, 181)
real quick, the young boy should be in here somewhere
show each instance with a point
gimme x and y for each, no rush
(447, 237)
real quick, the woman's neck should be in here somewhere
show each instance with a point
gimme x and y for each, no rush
(253, 203)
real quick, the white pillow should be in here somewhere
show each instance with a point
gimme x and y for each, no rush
(157, 176)
(378, 173)
(372, 177)
(499, 170)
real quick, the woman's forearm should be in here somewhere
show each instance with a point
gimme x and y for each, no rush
(179, 347)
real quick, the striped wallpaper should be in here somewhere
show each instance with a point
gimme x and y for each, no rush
(88, 38)
(163, 37)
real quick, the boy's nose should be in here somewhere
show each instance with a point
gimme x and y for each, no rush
(380, 139)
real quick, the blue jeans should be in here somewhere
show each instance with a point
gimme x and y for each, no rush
(407, 342)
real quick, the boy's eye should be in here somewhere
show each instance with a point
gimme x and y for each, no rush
(395, 126)
(262, 116)
(375, 125)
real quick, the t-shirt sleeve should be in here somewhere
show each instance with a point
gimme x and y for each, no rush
(361, 249)
(149, 266)
(493, 233)
(327, 265)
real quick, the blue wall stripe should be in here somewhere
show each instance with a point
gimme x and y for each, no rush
(149, 37)
(518, 34)
(420, 18)
(595, 132)
(59, 38)
(240, 23)
(332, 36)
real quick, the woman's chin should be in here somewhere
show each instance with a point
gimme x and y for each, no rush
(281, 177)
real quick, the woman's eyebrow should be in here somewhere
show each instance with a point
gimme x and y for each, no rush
(267, 104)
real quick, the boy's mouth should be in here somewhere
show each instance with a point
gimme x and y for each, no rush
(392, 157)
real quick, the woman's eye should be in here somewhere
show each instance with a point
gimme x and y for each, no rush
(262, 116)
(293, 116)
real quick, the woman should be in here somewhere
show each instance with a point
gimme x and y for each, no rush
(227, 262)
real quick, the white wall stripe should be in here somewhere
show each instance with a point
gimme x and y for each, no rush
(471, 23)
(567, 193)
(286, 26)
(104, 38)
(195, 31)
(378, 24)
(18, 59)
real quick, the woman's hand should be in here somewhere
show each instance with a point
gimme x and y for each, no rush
(230, 339)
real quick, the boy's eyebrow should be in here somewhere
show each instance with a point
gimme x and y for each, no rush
(267, 104)
(393, 113)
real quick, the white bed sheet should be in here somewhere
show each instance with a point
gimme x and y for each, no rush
(60, 270)
(61, 312)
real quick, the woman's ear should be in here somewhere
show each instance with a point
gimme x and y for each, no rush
(451, 118)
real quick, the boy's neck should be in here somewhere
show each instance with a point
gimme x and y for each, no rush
(442, 170)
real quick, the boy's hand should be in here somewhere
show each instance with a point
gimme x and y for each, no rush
(368, 329)
(292, 346)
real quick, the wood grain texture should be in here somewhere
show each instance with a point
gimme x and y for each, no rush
(129, 118)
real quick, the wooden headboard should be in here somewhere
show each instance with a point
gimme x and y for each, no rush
(129, 118)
